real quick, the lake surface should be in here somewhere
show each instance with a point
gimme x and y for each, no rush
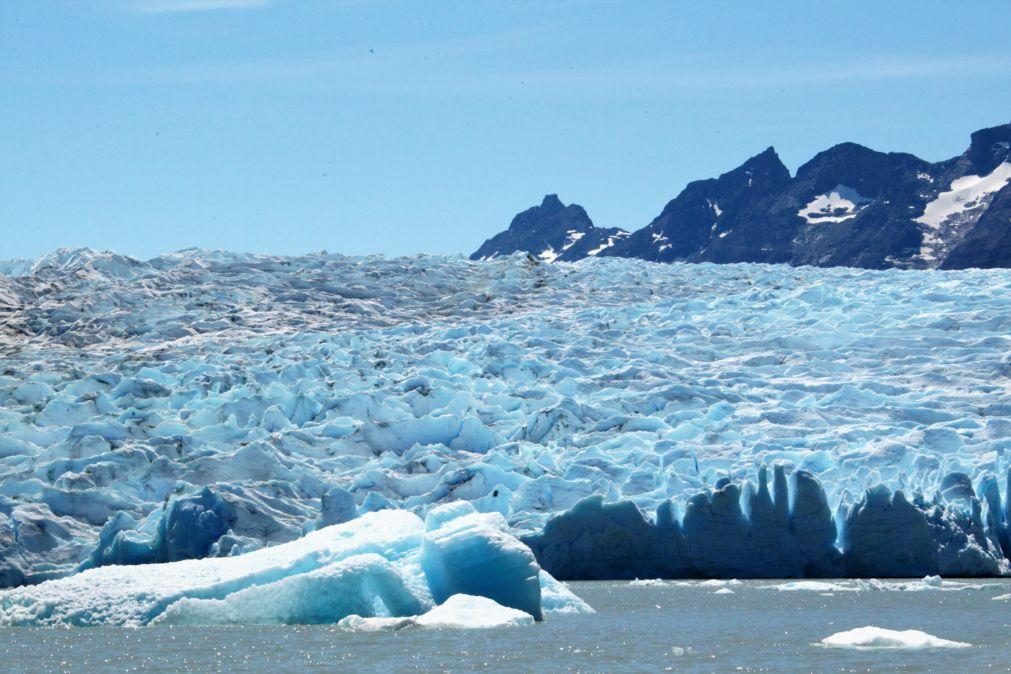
(670, 627)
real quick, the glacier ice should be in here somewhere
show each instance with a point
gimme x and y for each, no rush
(879, 637)
(694, 420)
(463, 555)
(460, 611)
(375, 566)
(732, 532)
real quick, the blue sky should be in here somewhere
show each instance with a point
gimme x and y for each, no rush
(362, 126)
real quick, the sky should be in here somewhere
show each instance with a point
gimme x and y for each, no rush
(380, 126)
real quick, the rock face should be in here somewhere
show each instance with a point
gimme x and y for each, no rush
(848, 206)
(551, 231)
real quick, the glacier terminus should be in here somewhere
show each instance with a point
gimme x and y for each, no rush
(247, 424)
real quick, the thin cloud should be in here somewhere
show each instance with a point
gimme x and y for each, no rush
(177, 6)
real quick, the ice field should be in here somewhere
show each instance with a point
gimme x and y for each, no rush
(208, 404)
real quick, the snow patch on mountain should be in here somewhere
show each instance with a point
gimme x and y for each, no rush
(611, 240)
(837, 205)
(949, 217)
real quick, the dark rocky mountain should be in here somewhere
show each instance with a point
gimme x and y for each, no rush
(848, 206)
(551, 231)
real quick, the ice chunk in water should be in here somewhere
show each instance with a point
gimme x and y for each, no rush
(878, 637)
(461, 611)
(381, 565)
(467, 552)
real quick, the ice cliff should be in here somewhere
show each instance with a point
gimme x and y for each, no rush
(211, 404)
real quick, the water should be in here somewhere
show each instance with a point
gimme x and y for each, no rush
(674, 627)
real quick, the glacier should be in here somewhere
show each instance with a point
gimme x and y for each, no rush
(623, 418)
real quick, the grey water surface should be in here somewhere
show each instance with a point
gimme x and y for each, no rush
(670, 627)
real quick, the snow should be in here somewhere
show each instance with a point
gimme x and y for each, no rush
(717, 211)
(209, 403)
(574, 237)
(611, 240)
(947, 219)
(878, 637)
(837, 205)
(386, 564)
(548, 254)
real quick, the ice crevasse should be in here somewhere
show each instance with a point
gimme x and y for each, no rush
(459, 568)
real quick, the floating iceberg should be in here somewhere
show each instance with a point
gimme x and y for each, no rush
(375, 566)
(460, 611)
(928, 584)
(814, 586)
(732, 420)
(878, 637)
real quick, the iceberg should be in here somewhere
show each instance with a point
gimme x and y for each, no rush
(460, 611)
(466, 611)
(373, 567)
(878, 637)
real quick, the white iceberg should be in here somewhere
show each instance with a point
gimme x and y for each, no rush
(466, 611)
(461, 611)
(813, 586)
(877, 637)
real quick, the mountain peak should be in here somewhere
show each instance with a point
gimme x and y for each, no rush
(849, 205)
(552, 202)
(765, 168)
(990, 147)
(767, 158)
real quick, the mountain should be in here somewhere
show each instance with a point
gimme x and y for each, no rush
(551, 231)
(848, 206)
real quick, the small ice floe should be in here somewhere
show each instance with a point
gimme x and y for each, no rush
(720, 583)
(646, 582)
(813, 586)
(724, 590)
(878, 637)
(461, 611)
(925, 584)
